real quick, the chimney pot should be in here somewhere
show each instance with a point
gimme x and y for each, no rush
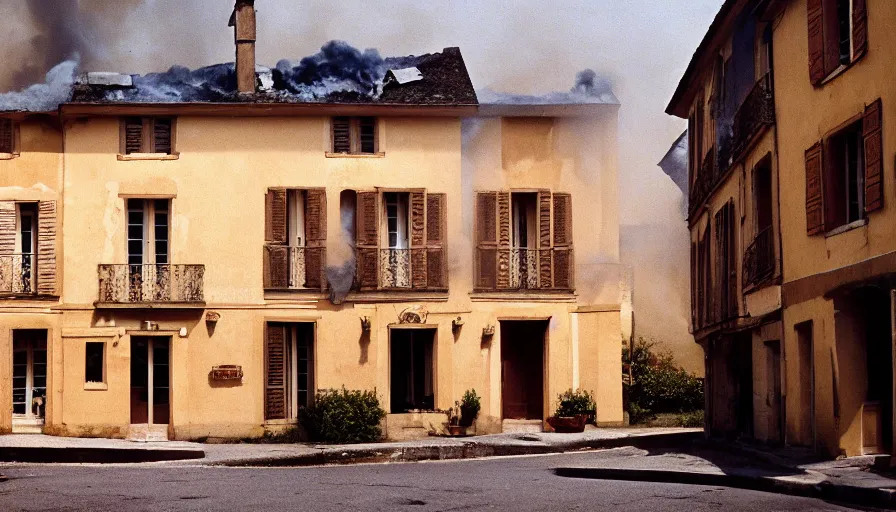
(244, 32)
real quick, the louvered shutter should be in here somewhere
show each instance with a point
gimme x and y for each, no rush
(814, 191)
(418, 238)
(342, 138)
(7, 139)
(7, 228)
(161, 136)
(815, 15)
(133, 135)
(367, 229)
(487, 237)
(859, 28)
(874, 162)
(316, 237)
(436, 273)
(505, 242)
(367, 135)
(731, 260)
(275, 372)
(562, 253)
(545, 259)
(276, 252)
(46, 248)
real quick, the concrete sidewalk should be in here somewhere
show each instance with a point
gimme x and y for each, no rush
(36, 448)
(848, 481)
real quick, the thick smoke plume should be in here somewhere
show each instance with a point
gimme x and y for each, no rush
(46, 96)
(337, 67)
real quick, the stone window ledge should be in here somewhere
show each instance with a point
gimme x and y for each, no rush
(148, 156)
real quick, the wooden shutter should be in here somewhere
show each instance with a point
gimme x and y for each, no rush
(872, 135)
(276, 253)
(436, 224)
(133, 135)
(7, 228)
(815, 15)
(161, 136)
(315, 237)
(487, 238)
(505, 242)
(417, 207)
(731, 260)
(814, 191)
(545, 255)
(859, 28)
(7, 138)
(46, 248)
(275, 372)
(367, 229)
(342, 138)
(562, 253)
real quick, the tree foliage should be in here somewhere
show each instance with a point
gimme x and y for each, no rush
(658, 384)
(343, 416)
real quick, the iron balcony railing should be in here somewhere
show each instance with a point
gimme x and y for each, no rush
(419, 268)
(520, 268)
(148, 283)
(704, 181)
(17, 273)
(759, 258)
(756, 112)
(295, 267)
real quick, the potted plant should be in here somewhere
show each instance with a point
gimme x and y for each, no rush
(469, 408)
(573, 411)
(454, 418)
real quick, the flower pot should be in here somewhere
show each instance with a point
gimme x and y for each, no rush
(568, 425)
(457, 430)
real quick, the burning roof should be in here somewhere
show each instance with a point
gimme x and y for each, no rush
(338, 73)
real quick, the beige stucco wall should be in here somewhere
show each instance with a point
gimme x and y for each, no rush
(217, 188)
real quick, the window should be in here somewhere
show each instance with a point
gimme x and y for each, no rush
(153, 135)
(295, 238)
(355, 135)
(726, 263)
(395, 259)
(22, 251)
(24, 262)
(838, 35)
(289, 375)
(94, 370)
(846, 194)
(148, 231)
(411, 365)
(396, 220)
(524, 233)
(7, 136)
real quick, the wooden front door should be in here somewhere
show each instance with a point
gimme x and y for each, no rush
(522, 369)
(150, 381)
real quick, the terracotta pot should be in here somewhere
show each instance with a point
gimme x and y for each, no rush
(568, 425)
(457, 430)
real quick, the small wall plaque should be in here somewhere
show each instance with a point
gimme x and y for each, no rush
(227, 372)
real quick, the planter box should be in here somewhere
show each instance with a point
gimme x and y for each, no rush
(568, 425)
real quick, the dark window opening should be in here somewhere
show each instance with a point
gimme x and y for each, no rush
(844, 186)
(762, 179)
(93, 371)
(844, 24)
(7, 139)
(411, 362)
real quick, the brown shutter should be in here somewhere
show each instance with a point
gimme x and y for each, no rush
(545, 274)
(814, 190)
(6, 136)
(417, 208)
(831, 35)
(815, 15)
(874, 162)
(487, 238)
(275, 372)
(694, 270)
(316, 237)
(276, 254)
(732, 261)
(161, 136)
(342, 139)
(46, 248)
(436, 222)
(562, 251)
(859, 28)
(504, 240)
(7, 228)
(367, 229)
(133, 135)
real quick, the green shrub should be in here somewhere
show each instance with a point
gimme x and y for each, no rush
(693, 419)
(469, 408)
(572, 403)
(658, 385)
(343, 416)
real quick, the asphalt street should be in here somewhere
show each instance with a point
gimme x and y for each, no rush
(512, 484)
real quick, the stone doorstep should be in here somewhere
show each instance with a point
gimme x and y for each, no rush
(522, 426)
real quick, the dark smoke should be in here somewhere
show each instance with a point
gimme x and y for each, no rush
(60, 35)
(337, 67)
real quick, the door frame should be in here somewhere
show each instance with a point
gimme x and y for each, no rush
(149, 380)
(434, 328)
(545, 402)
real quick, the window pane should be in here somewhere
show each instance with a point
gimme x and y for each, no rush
(368, 134)
(94, 362)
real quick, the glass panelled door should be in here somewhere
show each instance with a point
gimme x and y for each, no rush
(29, 373)
(150, 381)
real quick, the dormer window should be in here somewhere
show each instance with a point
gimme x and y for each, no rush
(147, 135)
(355, 136)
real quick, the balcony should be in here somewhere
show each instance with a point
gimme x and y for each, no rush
(756, 113)
(525, 269)
(17, 274)
(294, 267)
(705, 180)
(419, 268)
(759, 259)
(151, 285)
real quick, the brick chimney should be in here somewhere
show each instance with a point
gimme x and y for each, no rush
(243, 22)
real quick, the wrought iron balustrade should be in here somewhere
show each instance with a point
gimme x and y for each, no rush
(150, 283)
(294, 267)
(395, 268)
(418, 268)
(521, 268)
(759, 258)
(705, 180)
(756, 112)
(17, 274)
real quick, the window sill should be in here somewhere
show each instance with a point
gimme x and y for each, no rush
(380, 154)
(148, 156)
(95, 386)
(839, 71)
(8, 156)
(523, 296)
(846, 227)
